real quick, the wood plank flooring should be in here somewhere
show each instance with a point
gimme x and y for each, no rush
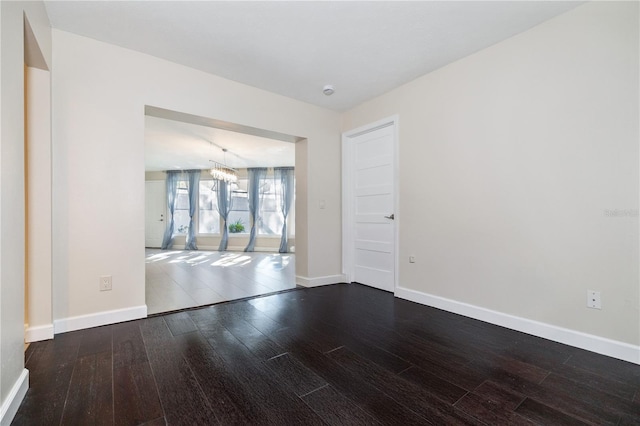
(344, 354)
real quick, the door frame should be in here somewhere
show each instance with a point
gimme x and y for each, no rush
(348, 214)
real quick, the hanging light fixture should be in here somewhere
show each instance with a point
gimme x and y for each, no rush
(221, 171)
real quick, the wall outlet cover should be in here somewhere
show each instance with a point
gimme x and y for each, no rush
(593, 299)
(105, 283)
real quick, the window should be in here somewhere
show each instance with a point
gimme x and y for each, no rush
(181, 211)
(271, 209)
(239, 214)
(271, 213)
(208, 216)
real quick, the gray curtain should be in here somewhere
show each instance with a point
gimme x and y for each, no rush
(194, 186)
(224, 207)
(173, 176)
(255, 174)
(285, 175)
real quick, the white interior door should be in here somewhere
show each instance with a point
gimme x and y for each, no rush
(370, 248)
(155, 213)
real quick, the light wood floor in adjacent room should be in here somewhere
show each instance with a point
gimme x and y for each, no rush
(180, 279)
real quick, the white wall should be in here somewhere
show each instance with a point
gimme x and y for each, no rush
(99, 94)
(511, 163)
(13, 376)
(302, 206)
(39, 315)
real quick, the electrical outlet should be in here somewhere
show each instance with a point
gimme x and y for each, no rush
(593, 299)
(105, 283)
(412, 259)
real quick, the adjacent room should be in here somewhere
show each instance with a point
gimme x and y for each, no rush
(232, 237)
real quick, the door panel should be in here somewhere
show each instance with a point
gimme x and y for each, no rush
(155, 213)
(373, 201)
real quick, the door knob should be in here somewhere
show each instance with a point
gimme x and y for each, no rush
(392, 217)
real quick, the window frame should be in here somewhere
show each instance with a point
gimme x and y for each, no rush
(183, 186)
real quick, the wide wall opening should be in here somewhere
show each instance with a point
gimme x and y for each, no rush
(219, 210)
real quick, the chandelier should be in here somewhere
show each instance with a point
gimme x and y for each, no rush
(220, 171)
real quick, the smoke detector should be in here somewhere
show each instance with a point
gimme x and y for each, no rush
(328, 90)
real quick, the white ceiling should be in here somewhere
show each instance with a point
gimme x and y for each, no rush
(292, 48)
(176, 145)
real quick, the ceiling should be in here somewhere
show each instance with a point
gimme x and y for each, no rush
(177, 145)
(292, 48)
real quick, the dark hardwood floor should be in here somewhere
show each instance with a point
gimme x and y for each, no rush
(339, 355)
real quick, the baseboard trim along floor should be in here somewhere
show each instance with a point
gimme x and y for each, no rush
(601, 345)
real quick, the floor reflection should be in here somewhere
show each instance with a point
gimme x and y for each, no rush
(180, 279)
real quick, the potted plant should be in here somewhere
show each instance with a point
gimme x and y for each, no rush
(236, 227)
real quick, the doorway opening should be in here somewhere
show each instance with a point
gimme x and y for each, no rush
(220, 218)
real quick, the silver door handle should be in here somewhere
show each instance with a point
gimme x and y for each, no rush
(392, 217)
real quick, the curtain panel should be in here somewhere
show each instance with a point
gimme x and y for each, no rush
(173, 176)
(224, 207)
(285, 175)
(193, 177)
(256, 176)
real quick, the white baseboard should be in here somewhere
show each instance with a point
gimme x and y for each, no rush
(38, 333)
(318, 281)
(100, 318)
(11, 404)
(601, 345)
